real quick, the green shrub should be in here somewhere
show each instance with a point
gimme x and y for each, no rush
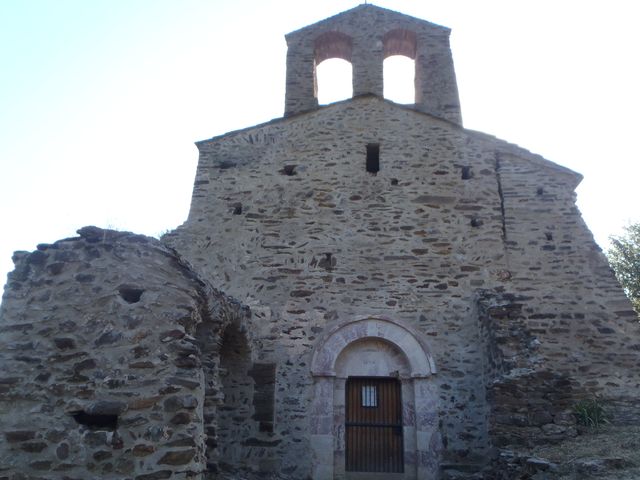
(590, 413)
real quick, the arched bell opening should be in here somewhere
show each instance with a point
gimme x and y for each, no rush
(399, 66)
(333, 71)
(334, 78)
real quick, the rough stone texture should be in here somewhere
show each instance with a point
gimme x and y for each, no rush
(462, 268)
(94, 377)
(419, 243)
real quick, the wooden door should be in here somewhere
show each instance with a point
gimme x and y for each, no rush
(373, 425)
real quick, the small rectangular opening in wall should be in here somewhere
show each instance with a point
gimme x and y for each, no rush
(373, 158)
(264, 376)
(96, 421)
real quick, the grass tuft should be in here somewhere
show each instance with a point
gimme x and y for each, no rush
(590, 413)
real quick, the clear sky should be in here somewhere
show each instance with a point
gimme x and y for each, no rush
(101, 100)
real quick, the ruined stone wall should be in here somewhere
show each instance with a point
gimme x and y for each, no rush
(101, 373)
(531, 402)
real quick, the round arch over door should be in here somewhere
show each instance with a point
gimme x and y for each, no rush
(375, 348)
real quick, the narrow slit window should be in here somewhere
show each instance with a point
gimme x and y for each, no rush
(373, 158)
(369, 396)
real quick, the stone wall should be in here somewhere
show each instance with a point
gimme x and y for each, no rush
(285, 217)
(533, 391)
(576, 309)
(365, 36)
(119, 359)
(102, 374)
(531, 402)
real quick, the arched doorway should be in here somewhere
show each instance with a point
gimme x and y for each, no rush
(356, 365)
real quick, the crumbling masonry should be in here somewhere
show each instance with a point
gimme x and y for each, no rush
(369, 253)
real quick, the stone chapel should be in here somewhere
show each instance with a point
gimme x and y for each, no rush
(361, 290)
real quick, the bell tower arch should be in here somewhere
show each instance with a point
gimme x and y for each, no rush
(365, 36)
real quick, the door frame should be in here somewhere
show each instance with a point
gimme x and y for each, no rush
(421, 435)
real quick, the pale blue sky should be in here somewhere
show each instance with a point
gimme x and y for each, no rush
(101, 100)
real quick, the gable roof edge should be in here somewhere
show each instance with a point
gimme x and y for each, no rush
(505, 147)
(500, 145)
(328, 20)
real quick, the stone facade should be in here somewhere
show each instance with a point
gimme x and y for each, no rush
(361, 239)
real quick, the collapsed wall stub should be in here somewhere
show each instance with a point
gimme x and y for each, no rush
(530, 402)
(531, 395)
(103, 373)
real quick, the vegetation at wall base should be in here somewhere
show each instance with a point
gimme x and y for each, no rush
(590, 413)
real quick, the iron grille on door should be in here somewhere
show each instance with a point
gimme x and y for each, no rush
(374, 425)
